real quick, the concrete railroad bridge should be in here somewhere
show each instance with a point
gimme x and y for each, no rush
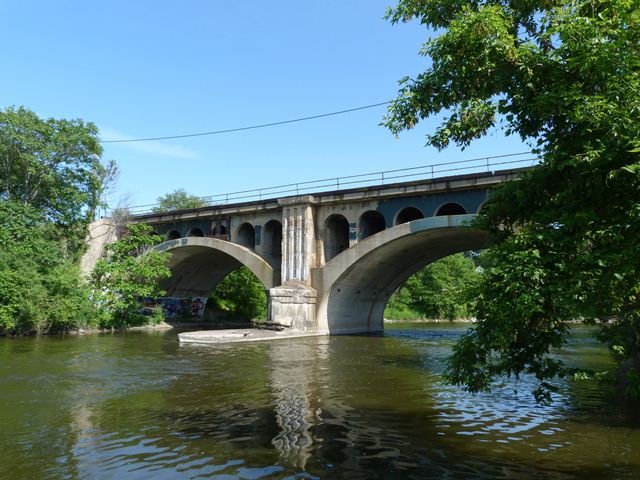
(329, 261)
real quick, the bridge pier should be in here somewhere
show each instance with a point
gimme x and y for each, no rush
(293, 303)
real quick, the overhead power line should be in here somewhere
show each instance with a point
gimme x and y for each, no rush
(252, 127)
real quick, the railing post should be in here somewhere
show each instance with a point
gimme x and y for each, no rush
(337, 183)
(431, 172)
(382, 175)
(487, 163)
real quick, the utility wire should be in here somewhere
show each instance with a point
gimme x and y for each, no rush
(252, 127)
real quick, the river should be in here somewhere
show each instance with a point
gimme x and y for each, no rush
(140, 406)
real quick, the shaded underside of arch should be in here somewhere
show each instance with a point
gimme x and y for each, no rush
(199, 264)
(355, 291)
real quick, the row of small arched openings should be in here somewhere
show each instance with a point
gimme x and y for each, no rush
(246, 236)
(336, 231)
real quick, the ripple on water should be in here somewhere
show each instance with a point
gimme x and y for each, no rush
(142, 406)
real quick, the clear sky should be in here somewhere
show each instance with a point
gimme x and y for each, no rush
(153, 68)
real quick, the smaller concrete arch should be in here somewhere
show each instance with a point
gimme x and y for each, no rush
(451, 208)
(481, 207)
(246, 236)
(195, 232)
(173, 235)
(336, 236)
(408, 214)
(199, 264)
(272, 238)
(370, 223)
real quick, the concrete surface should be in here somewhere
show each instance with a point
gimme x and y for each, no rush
(239, 335)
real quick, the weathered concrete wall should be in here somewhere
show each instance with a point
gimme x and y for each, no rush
(294, 305)
(101, 232)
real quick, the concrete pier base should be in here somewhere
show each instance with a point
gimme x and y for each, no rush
(238, 336)
(294, 305)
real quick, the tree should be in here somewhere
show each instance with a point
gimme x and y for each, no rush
(242, 295)
(438, 291)
(52, 165)
(564, 76)
(129, 271)
(178, 200)
(40, 286)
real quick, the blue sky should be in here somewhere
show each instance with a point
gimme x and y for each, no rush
(154, 68)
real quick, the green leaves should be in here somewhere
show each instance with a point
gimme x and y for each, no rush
(129, 270)
(178, 200)
(564, 76)
(40, 286)
(442, 290)
(53, 165)
(241, 295)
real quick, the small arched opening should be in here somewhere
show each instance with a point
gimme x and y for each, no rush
(272, 238)
(173, 235)
(450, 209)
(195, 232)
(336, 236)
(408, 214)
(371, 222)
(247, 236)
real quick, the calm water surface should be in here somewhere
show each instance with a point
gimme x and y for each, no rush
(139, 405)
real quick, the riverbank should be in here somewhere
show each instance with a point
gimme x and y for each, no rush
(165, 325)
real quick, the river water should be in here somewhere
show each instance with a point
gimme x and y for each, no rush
(139, 405)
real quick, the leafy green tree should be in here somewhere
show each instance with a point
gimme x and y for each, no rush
(178, 200)
(130, 270)
(40, 286)
(54, 166)
(441, 290)
(564, 76)
(241, 295)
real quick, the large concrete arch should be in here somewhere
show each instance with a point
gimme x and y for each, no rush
(198, 264)
(354, 287)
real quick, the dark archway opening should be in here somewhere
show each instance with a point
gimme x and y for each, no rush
(336, 236)
(408, 214)
(451, 209)
(371, 222)
(173, 235)
(247, 236)
(272, 239)
(195, 232)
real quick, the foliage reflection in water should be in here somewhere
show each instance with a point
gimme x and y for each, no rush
(139, 405)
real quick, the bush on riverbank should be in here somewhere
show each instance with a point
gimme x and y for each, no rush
(40, 285)
(441, 290)
(241, 296)
(128, 271)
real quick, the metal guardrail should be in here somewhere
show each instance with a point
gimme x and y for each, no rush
(474, 165)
